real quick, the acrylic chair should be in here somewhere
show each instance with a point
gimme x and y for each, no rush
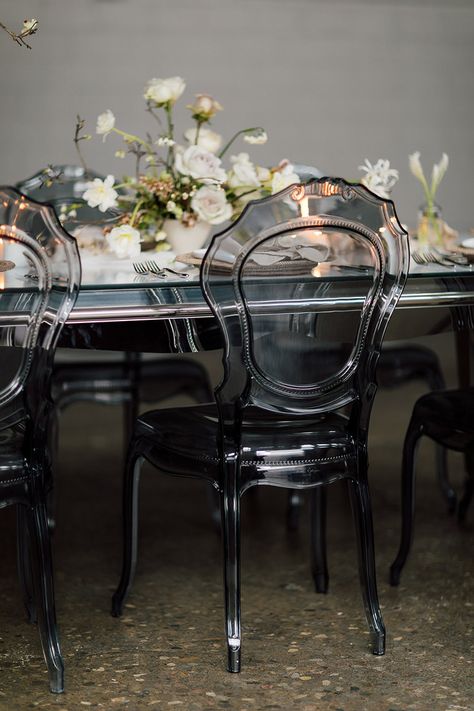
(32, 313)
(447, 417)
(284, 415)
(111, 378)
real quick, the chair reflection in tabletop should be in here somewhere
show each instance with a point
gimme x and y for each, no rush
(30, 323)
(286, 413)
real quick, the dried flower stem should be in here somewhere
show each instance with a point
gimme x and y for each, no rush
(18, 37)
(80, 123)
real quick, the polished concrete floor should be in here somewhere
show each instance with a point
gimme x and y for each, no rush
(301, 650)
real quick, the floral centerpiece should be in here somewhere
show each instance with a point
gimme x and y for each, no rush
(430, 225)
(183, 185)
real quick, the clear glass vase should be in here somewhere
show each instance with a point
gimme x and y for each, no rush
(430, 225)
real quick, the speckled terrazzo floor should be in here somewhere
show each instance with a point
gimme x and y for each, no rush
(301, 650)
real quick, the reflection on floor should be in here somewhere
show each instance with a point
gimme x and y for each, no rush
(301, 650)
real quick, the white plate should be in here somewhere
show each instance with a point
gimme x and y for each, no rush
(468, 243)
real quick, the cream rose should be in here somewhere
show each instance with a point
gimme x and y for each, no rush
(243, 173)
(207, 139)
(164, 91)
(283, 178)
(210, 204)
(205, 107)
(200, 165)
(124, 241)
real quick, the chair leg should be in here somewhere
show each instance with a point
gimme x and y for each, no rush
(468, 488)
(293, 509)
(24, 563)
(318, 539)
(42, 574)
(130, 530)
(408, 501)
(214, 500)
(230, 510)
(362, 513)
(442, 474)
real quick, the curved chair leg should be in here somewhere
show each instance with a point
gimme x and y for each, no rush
(130, 529)
(319, 564)
(42, 569)
(442, 474)
(362, 512)
(214, 500)
(408, 501)
(230, 509)
(293, 509)
(468, 487)
(24, 563)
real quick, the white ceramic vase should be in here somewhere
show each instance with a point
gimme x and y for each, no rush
(186, 239)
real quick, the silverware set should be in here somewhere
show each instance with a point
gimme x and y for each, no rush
(150, 267)
(437, 256)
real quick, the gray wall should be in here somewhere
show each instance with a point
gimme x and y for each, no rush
(333, 81)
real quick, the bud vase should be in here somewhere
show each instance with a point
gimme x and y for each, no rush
(183, 239)
(430, 225)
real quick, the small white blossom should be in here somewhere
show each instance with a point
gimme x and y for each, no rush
(379, 178)
(210, 204)
(257, 138)
(124, 241)
(164, 91)
(105, 123)
(415, 166)
(165, 141)
(200, 165)
(120, 154)
(206, 139)
(160, 236)
(439, 169)
(101, 193)
(29, 27)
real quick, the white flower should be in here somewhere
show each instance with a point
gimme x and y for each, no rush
(207, 139)
(101, 193)
(204, 107)
(124, 241)
(257, 138)
(105, 123)
(415, 166)
(160, 236)
(263, 174)
(243, 173)
(120, 154)
(165, 141)
(379, 178)
(281, 179)
(200, 165)
(439, 169)
(210, 204)
(29, 27)
(164, 91)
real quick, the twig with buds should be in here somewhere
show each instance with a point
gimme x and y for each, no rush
(30, 27)
(80, 123)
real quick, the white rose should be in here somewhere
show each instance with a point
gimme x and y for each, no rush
(207, 139)
(101, 193)
(162, 91)
(210, 204)
(124, 241)
(200, 165)
(105, 123)
(243, 173)
(283, 178)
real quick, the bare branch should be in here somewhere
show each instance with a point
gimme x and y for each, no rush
(30, 27)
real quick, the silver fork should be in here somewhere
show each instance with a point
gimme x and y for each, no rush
(153, 267)
(141, 269)
(428, 257)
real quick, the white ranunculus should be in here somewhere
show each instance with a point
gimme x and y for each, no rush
(210, 204)
(207, 139)
(101, 193)
(243, 173)
(124, 241)
(283, 178)
(163, 91)
(415, 166)
(200, 165)
(105, 123)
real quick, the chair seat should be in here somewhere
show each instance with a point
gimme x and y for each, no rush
(448, 417)
(270, 443)
(12, 460)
